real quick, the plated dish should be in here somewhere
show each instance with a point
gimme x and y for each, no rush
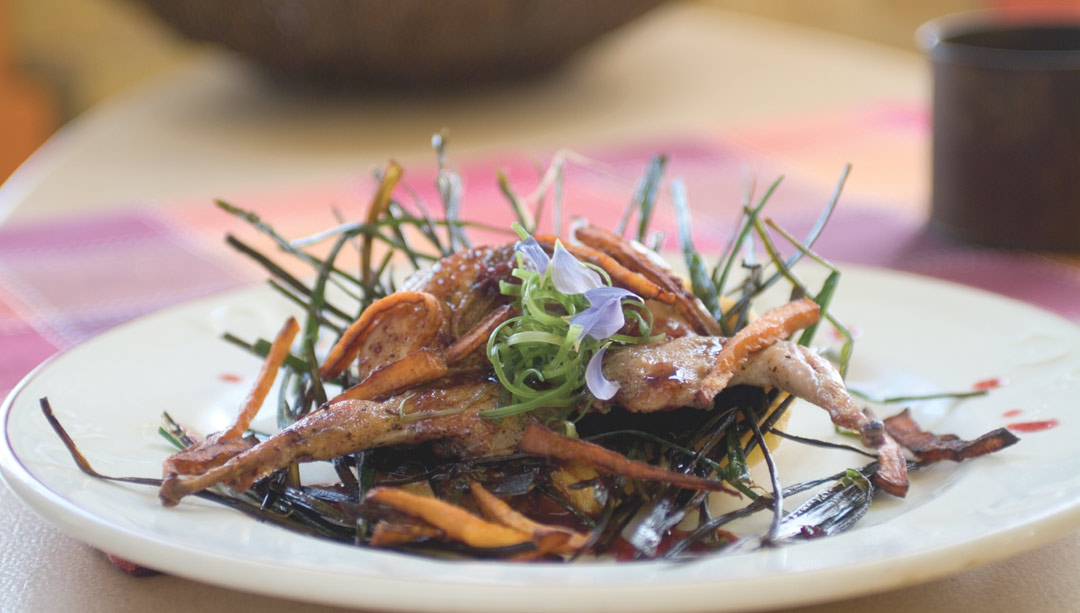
(955, 516)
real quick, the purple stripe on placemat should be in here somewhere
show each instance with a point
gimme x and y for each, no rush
(64, 282)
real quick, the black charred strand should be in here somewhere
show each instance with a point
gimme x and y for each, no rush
(623, 515)
(708, 529)
(780, 410)
(454, 550)
(77, 456)
(313, 522)
(598, 529)
(774, 476)
(831, 512)
(707, 443)
(813, 442)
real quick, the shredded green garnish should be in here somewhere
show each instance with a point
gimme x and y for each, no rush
(539, 356)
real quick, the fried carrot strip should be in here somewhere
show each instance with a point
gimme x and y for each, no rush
(456, 522)
(348, 346)
(772, 327)
(687, 304)
(387, 534)
(379, 204)
(223, 446)
(202, 457)
(540, 441)
(418, 367)
(553, 539)
(279, 350)
(620, 275)
(479, 334)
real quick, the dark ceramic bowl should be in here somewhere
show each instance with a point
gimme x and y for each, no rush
(1006, 137)
(402, 43)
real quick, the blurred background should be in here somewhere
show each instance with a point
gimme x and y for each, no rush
(61, 57)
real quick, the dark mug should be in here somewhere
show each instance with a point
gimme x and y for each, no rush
(1006, 128)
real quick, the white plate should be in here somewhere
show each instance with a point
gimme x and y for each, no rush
(918, 335)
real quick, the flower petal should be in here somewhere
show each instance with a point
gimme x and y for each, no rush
(599, 386)
(600, 321)
(600, 295)
(571, 276)
(535, 257)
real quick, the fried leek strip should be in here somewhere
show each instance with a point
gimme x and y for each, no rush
(348, 346)
(419, 367)
(379, 204)
(457, 523)
(223, 446)
(552, 539)
(625, 254)
(387, 534)
(772, 327)
(540, 441)
(621, 276)
(279, 350)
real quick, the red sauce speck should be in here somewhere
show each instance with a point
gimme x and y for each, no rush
(854, 331)
(1011, 413)
(1034, 426)
(989, 384)
(231, 378)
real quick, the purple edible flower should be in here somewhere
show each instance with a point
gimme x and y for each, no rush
(605, 316)
(600, 321)
(600, 295)
(599, 386)
(571, 276)
(535, 257)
